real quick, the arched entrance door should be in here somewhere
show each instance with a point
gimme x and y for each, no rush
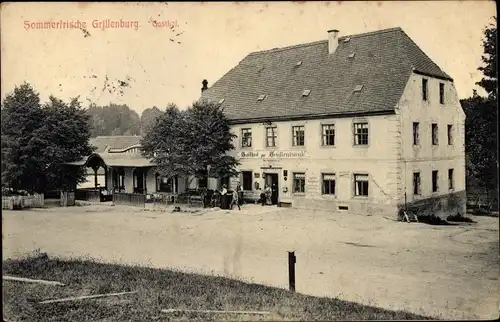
(96, 162)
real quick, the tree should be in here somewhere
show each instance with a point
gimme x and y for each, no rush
(37, 140)
(191, 142)
(490, 79)
(481, 140)
(481, 120)
(113, 120)
(148, 117)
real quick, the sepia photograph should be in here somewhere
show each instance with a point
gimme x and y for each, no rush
(249, 161)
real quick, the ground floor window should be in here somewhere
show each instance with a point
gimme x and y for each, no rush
(416, 183)
(165, 184)
(329, 184)
(450, 179)
(361, 185)
(118, 177)
(247, 177)
(299, 182)
(435, 177)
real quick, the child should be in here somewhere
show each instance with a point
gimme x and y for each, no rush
(235, 200)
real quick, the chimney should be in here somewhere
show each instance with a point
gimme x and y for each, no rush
(204, 83)
(333, 40)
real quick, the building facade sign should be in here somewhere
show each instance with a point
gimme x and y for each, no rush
(275, 155)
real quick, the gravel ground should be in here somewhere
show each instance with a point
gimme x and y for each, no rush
(445, 271)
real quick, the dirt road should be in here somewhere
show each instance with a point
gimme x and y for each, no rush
(447, 271)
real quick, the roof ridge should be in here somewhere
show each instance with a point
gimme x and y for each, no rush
(371, 33)
(278, 49)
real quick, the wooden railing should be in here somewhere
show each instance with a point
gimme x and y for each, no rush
(93, 195)
(129, 199)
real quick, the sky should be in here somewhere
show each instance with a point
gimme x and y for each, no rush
(169, 48)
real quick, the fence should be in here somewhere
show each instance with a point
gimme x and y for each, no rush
(92, 195)
(67, 199)
(20, 202)
(129, 199)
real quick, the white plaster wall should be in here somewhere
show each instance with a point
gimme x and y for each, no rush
(426, 157)
(378, 159)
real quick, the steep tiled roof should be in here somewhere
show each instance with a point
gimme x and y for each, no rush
(382, 63)
(114, 142)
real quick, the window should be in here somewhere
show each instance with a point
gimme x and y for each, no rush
(435, 134)
(450, 179)
(328, 131)
(271, 136)
(450, 134)
(306, 92)
(329, 184)
(299, 182)
(246, 138)
(298, 135)
(415, 133)
(441, 93)
(424, 89)
(164, 184)
(416, 183)
(247, 180)
(360, 133)
(361, 185)
(435, 181)
(261, 97)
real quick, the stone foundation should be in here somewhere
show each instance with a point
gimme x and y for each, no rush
(441, 206)
(353, 206)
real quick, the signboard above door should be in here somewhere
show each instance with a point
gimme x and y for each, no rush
(276, 155)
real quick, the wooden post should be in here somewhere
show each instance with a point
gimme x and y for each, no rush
(291, 270)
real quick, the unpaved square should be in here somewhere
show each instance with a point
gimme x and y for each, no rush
(451, 271)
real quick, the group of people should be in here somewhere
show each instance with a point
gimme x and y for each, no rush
(229, 200)
(266, 196)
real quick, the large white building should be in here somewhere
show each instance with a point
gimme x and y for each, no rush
(363, 123)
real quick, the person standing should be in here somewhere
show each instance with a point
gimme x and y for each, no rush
(223, 193)
(239, 190)
(268, 193)
(235, 200)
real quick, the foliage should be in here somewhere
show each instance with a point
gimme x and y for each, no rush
(481, 116)
(37, 139)
(148, 117)
(490, 79)
(188, 143)
(113, 120)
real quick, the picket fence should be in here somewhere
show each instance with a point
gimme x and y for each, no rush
(19, 202)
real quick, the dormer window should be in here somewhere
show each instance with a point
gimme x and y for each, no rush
(261, 97)
(352, 55)
(347, 39)
(306, 92)
(298, 63)
(358, 88)
(221, 101)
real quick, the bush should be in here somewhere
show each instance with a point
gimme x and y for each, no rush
(433, 220)
(459, 218)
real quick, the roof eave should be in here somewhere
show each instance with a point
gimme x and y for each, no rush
(432, 75)
(310, 116)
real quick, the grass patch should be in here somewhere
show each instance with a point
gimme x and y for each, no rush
(160, 289)
(459, 218)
